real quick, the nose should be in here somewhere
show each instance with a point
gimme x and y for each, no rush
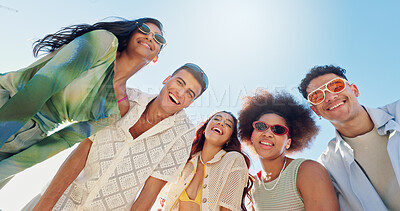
(181, 92)
(268, 132)
(149, 36)
(329, 96)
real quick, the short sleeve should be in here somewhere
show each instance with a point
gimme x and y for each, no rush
(175, 159)
(231, 196)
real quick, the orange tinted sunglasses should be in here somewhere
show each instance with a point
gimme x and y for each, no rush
(333, 86)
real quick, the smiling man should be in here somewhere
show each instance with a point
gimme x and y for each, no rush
(146, 148)
(363, 159)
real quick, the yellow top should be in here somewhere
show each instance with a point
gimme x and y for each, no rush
(185, 197)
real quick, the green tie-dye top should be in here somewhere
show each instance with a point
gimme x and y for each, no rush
(72, 84)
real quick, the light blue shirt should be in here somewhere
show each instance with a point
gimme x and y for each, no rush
(352, 186)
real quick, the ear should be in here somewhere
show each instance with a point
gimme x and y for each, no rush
(155, 60)
(354, 88)
(288, 143)
(315, 110)
(166, 80)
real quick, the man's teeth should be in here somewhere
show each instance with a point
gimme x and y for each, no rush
(176, 101)
(337, 105)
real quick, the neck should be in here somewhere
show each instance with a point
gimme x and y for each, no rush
(125, 67)
(154, 113)
(274, 167)
(358, 125)
(209, 151)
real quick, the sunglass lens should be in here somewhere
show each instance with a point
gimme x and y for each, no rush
(336, 85)
(160, 39)
(260, 126)
(316, 97)
(277, 129)
(145, 29)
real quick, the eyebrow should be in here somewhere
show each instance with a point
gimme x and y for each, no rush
(190, 90)
(225, 119)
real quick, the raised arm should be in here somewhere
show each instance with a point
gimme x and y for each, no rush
(73, 59)
(149, 194)
(50, 146)
(315, 187)
(67, 173)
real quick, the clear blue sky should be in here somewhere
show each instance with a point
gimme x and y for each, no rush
(242, 45)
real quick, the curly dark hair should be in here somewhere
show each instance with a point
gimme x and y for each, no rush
(233, 145)
(298, 118)
(318, 71)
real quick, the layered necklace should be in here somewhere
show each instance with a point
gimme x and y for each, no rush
(277, 180)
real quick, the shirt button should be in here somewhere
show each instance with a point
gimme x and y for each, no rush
(205, 185)
(206, 176)
(204, 200)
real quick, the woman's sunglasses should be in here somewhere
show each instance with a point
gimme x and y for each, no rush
(279, 130)
(145, 29)
(334, 86)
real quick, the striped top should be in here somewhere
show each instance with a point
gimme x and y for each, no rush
(284, 196)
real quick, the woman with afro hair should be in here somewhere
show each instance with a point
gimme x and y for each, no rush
(272, 126)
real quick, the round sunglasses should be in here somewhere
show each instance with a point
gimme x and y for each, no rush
(145, 29)
(334, 86)
(279, 130)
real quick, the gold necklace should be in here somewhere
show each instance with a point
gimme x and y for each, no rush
(280, 173)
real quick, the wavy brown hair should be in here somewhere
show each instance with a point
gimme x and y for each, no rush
(233, 145)
(298, 118)
(123, 29)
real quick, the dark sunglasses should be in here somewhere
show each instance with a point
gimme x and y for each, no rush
(145, 29)
(279, 130)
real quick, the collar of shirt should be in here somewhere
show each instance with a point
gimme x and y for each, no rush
(217, 157)
(134, 113)
(382, 121)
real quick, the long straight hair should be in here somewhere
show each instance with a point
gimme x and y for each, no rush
(123, 29)
(233, 145)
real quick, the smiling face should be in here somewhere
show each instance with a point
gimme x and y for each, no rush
(267, 144)
(179, 92)
(338, 107)
(219, 129)
(144, 45)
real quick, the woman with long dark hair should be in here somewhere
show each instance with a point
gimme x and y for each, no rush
(81, 81)
(216, 174)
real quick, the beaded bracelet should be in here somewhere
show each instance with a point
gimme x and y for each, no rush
(123, 99)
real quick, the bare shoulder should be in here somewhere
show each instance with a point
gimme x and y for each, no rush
(310, 167)
(312, 173)
(315, 187)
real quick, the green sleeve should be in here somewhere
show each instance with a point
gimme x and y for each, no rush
(73, 59)
(51, 145)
